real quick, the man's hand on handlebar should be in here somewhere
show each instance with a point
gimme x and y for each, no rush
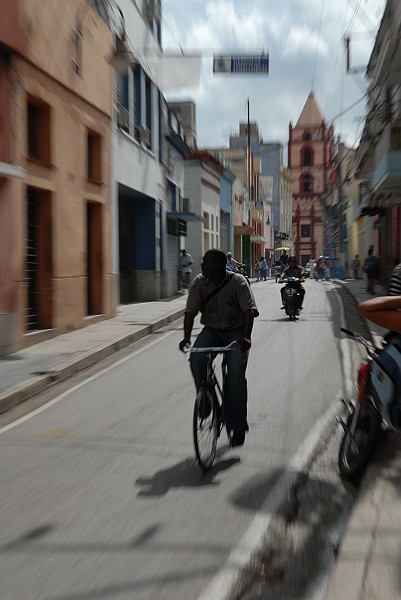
(244, 344)
(184, 345)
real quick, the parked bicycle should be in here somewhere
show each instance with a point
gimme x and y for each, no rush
(209, 417)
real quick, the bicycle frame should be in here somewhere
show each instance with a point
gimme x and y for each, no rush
(211, 378)
(209, 421)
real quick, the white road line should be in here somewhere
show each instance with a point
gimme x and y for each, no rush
(79, 385)
(224, 583)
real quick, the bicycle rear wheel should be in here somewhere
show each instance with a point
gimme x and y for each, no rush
(205, 427)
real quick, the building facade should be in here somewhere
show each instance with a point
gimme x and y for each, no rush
(311, 163)
(59, 212)
(203, 175)
(379, 153)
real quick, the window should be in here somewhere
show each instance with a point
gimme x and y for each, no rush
(205, 220)
(94, 156)
(128, 99)
(306, 136)
(122, 88)
(148, 95)
(306, 184)
(305, 231)
(306, 157)
(38, 130)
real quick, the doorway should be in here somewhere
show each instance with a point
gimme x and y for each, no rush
(94, 254)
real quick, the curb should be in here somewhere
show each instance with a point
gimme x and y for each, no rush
(35, 385)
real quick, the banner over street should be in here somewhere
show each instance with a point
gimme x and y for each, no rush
(241, 64)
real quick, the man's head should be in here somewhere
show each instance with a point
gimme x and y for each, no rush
(228, 254)
(292, 261)
(184, 252)
(214, 264)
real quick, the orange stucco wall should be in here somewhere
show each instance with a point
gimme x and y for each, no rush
(78, 101)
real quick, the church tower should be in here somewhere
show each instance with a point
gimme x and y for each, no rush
(310, 161)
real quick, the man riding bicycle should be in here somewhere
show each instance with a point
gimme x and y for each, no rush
(228, 307)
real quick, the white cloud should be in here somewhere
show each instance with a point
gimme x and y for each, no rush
(302, 40)
(305, 42)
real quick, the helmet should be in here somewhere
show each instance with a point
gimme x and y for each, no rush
(229, 254)
(293, 258)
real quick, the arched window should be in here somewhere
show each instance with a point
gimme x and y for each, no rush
(306, 183)
(306, 156)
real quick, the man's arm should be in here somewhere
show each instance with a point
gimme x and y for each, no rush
(188, 325)
(384, 311)
(245, 341)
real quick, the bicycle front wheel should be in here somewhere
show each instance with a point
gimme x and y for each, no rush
(205, 428)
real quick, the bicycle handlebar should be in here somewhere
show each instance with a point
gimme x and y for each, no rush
(361, 340)
(230, 346)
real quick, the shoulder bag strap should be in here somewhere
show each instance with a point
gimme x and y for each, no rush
(216, 290)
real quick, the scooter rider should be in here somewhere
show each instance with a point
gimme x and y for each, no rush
(232, 263)
(293, 270)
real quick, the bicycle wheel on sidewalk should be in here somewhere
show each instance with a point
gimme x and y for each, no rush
(205, 427)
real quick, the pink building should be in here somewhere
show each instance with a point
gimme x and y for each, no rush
(310, 160)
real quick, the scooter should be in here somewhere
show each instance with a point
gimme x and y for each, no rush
(291, 297)
(378, 402)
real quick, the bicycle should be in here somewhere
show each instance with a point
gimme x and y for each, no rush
(208, 417)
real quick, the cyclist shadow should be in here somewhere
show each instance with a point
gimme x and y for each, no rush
(184, 474)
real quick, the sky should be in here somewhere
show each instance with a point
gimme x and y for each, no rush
(304, 40)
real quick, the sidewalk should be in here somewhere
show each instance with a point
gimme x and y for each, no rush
(34, 369)
(368, 565)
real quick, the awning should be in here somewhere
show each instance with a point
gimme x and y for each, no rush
(372, 204)
(243, 230)
(283, 248)
(183, 216)
(258, 239)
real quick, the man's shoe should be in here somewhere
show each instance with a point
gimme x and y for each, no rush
(300, 307)
(238, 438)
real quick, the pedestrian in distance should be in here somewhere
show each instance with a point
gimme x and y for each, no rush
(257, 270)
(371, 270)
(355, 266)
(186, 270)
(312, 267)
(228, 308)
(284, 260)
(263, 268)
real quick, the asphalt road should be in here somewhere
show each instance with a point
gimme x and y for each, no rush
(101, 498)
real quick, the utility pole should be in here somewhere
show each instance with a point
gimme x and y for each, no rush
(248, 154)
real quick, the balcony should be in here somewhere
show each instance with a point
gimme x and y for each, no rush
(256, 213)
(386, 174)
